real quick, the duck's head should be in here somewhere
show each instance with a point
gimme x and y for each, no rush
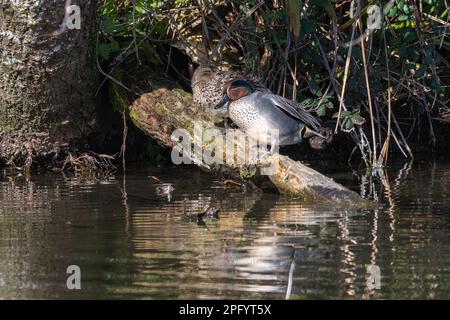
(201, 75)
(235, 90)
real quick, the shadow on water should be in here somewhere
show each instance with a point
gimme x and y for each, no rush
(133, 237)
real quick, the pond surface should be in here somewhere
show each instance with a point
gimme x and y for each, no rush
(132, 241)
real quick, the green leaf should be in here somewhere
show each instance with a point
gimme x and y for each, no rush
(140, 9)
(392, 12)
(357, 119)
(107, 25)
(403, 17)
(322, 110)
(345, 114)
(407, 9)
(347, 124)
(104, 50)
(349, 119)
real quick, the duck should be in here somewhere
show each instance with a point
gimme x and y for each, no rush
(258, 112)
(208, 85)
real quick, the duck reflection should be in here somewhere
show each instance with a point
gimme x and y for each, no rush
(253, 247)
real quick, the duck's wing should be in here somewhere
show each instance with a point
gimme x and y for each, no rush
(292, 109)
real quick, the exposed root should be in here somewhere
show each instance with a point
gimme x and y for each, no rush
(89, 162)
(229, 182)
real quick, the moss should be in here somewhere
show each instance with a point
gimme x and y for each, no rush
(133, 74)
(136, 115)
(183, 94)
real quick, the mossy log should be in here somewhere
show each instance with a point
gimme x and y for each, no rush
(162, 111)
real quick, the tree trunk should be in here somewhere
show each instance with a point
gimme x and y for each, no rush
(47, 77)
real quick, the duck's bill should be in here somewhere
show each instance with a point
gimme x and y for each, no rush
(222, 102)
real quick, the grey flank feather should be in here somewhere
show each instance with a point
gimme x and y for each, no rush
(294, 110)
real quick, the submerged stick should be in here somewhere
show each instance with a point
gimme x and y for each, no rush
(160, 112)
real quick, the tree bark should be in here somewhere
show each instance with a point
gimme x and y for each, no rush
(47, 77)
(162, 111)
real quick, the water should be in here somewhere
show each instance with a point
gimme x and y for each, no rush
(131, 240)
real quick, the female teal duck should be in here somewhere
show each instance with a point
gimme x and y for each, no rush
(257, 113)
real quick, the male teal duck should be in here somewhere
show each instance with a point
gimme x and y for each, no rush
(257, 113)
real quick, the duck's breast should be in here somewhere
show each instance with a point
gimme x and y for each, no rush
(244, 113)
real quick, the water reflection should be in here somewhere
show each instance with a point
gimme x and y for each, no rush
(133, 240)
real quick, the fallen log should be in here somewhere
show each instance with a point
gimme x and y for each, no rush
(162, 111)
